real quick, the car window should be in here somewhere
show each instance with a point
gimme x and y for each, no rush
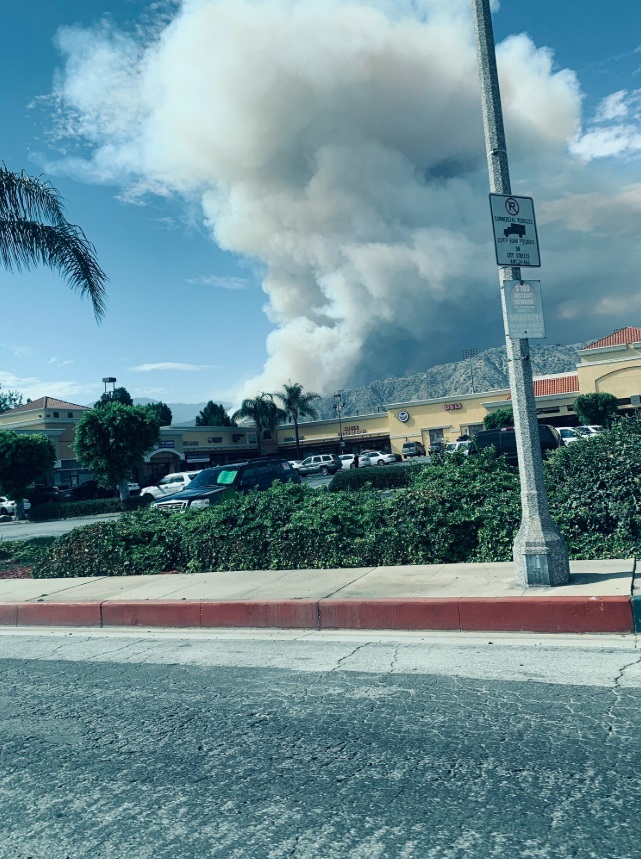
(249, 478)
(264, 469)
(210, 477)
(308, 461)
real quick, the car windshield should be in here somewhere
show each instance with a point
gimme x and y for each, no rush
(214, 477)
(583, 431)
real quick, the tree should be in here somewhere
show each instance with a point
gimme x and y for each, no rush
(263, 411)
(23, 458)
(111, 439)
(118, 395)
(599, 408)
(34, 231)
(214, 416)
(297, 405)
(9, 400)
(162, 413)
(499, 419)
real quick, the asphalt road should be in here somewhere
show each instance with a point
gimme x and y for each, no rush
(176, 745)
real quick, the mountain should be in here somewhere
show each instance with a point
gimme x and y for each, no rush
(445, 380)
(183, 414)
(449, 380)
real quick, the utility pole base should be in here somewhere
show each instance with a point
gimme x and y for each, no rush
(541, 559)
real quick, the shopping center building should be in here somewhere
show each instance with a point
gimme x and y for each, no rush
(612, 365)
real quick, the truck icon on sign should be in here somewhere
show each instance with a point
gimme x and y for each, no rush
(514, 230)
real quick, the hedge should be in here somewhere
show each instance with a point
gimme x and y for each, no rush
(73, 509)
(376, 477)
(457, 509)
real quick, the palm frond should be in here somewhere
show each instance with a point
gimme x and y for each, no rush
(63, 247)
(29, 198)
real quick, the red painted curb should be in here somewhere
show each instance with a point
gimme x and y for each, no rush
(547, 614)
(413, 613)
(58, 614)
(8, 614)
(471, 614)
(280, 614)
(151, 613)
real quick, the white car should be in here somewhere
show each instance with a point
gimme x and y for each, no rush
(590, 431)
(8, 507)
(462, 446)
(347, 460)
(169, 484)
(568, 435)
(376, 457)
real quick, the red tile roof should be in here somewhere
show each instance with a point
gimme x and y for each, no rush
(618, 338)
(551, 385)
(556, 385)
(44, 403)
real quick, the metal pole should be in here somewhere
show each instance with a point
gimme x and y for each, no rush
(469, 354)
(540, 552)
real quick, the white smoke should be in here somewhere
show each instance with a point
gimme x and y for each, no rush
(339, 144)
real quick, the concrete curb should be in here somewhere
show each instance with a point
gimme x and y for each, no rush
(562, 614)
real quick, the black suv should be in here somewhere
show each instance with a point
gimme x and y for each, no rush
(504, 440)
(212, 484)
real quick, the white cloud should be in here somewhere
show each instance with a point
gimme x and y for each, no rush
(59, 362)
(171, 365)
(222, 282)
(339, 145)
(18, 351)
(35, 387)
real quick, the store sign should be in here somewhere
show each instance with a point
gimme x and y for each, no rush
(452, 407)
(191, 443)
(196, 456)
(355, 430)
(403, 417)
(215, 439)
(167, 444)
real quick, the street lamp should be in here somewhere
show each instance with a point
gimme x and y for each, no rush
(109, 380)
(540, 552)
(339, 405)
(468, 354)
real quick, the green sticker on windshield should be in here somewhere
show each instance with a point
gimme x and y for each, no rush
(226, 477)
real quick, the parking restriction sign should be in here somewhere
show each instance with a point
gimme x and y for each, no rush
(515, 238)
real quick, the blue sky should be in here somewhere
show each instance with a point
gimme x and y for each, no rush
(186, 320)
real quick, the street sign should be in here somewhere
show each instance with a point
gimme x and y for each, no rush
(515, 238)
(524, 309)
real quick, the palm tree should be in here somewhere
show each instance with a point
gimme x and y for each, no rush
(263, 411)
(297, 405)
(34, 231)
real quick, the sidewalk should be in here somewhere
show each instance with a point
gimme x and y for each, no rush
(479, 597)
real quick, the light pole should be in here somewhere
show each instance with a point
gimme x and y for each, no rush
(109, 380)
(540, 552)
(339, 405)
(468, 354)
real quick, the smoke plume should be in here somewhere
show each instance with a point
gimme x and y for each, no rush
(339, 145)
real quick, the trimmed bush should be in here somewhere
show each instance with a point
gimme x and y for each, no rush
(380, 477)
(73, 509)
(457, 509)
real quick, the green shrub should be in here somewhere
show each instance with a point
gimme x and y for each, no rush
(73, 509)
(26, 552)
(137, 544)
(380, 477)
(594, 487)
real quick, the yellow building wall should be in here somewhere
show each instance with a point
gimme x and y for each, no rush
(449, 415)
(354, 428)
(622, 379)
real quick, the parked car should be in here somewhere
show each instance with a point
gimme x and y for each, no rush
(48, 494)
(91, 489)
(8, 507)
(504, 440)
(436, 447)
(325, 463)
(412, 448)
(213, 484)
(458, 447)
(169, 485)
(590, 431)
(377, 457)
(347, 460)
(568, 435)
